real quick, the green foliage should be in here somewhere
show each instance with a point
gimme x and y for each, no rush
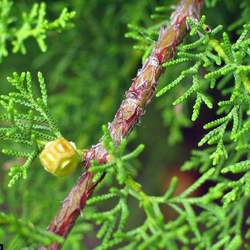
(74, 241)
(219, 63)
(113, 221)
(86, 55)
(208, 54)
(118, 159)
(154, 232)
(88, 68)
(221, 58)
(26, 121)
(33, 25)
(27, 232)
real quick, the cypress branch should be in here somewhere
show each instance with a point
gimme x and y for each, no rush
(130, 111)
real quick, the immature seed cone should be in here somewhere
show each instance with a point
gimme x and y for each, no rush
(59, 157)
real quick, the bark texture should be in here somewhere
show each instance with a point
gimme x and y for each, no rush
(131, 109)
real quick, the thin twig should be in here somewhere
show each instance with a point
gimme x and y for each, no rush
(132, 108)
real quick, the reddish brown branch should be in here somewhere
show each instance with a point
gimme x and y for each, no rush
(132, 108)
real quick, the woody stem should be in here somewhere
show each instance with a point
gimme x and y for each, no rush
(130, 111)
